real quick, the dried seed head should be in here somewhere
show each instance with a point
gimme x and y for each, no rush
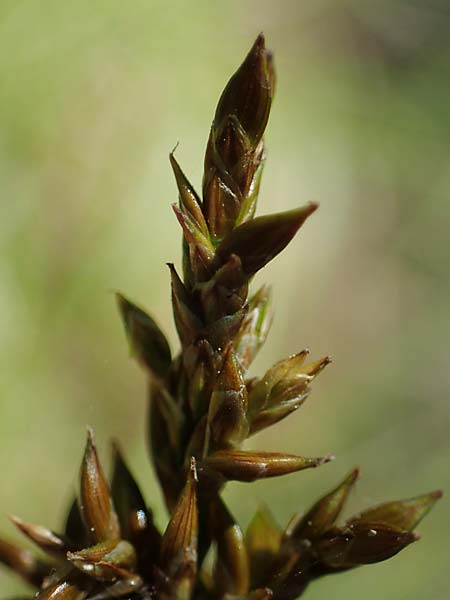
(203, 404)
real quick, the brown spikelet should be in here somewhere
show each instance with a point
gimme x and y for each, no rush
(95, 500)
(179, 543)
(401, 514)
(239, 465)
(324, 513)
(46, 539)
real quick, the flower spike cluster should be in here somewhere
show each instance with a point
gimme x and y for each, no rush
(204, 405)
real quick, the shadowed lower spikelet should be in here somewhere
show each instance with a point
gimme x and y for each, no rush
(203, 406)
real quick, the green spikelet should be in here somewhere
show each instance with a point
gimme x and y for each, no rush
(203, 406)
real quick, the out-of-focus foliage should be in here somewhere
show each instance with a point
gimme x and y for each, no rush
(93, 97)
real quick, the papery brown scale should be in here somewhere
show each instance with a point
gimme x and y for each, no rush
(95, 500)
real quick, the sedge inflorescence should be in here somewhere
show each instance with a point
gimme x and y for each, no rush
(204, 405)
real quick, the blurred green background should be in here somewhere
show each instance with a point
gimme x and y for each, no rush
(93, 96)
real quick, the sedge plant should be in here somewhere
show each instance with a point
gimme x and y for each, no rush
(203, 405)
